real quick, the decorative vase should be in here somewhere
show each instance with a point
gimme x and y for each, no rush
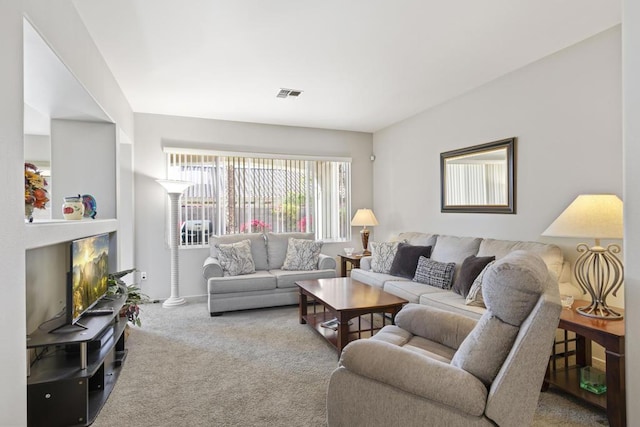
(28, 212)
(73, 208)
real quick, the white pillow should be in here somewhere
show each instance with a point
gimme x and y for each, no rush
(382, 255)
(302, 254)
(235, 258)
(474, 297)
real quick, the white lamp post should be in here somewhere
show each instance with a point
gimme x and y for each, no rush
(174, 190)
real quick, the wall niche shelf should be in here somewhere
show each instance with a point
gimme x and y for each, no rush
(51, 232)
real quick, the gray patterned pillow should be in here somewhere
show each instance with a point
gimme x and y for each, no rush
(302, 254)
(235, 258)
(474, 297)
(382, 255)
(434, 273)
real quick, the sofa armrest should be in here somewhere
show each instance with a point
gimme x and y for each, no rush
(325, 262)
(437, 325)
(365, 263)
(416, 374)
(211, 268)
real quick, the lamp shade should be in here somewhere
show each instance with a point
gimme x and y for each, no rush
(174, 186)
(597, 216)
(364, 217)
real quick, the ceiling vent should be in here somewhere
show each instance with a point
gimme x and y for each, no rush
(287, 93)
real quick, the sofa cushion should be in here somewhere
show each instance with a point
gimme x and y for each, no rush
(302, 254)
(409, 290)
(455, 249)
(370, 278)
(405, 261)
(470, 269)
(258, 281)
(258, 247)
(382, 255)
(277, 244)
(288, 278)
(235, 258)
(434, 273)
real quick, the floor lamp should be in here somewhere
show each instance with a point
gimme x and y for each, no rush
(174, 190)
(364, 217)
(598, 270)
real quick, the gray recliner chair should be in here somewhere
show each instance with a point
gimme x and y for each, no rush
(440, 368)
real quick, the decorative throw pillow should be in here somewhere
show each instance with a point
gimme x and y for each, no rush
(235, 258)
(471, 267)
(405, 261)
(434, 273)
(302, 254)
(382, 255)
(474, 297)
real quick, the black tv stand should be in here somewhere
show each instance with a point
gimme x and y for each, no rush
(70, 383)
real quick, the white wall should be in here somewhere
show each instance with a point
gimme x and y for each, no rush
(631, 81)
(565, 111)
(59, 23)
(83, 161)
(13, 401)
(155, 131)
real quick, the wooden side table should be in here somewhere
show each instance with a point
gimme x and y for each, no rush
(610, 335)
(353, 260)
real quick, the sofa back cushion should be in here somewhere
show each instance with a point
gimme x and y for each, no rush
(277, 244)
(550, 254)
(417, 239)
(455, 249)
(258, 246)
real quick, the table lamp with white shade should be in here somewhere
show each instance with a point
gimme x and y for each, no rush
(174, 190)
(598, 270)
(364, 218)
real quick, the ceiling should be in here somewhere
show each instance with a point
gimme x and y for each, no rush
(362, 64)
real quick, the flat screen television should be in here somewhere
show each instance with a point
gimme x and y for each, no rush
(88, 275)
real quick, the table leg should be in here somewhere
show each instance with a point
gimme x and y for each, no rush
(616, 404)
(302, 308)
(343, 267)
(583, 351)
(343, 331)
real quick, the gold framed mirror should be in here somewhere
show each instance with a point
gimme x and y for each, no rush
(479, 179)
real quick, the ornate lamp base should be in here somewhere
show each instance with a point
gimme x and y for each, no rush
(599, 273)
(364, 235)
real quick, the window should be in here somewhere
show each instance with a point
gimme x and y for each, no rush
(246, 193)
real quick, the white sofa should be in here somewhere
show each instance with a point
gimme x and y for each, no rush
(270, 285)
(456, 249)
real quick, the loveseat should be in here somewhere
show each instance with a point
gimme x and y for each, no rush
(272, 283)
(454, 249)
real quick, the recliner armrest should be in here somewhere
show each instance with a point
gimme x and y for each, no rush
(437, 325)
(211, 268)
(416, 374)
(325, 262)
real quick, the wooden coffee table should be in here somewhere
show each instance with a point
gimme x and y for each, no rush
(345, 299)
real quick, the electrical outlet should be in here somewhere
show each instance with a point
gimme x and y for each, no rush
(143, 275)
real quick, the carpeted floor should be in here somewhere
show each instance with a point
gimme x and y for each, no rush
(248, 368)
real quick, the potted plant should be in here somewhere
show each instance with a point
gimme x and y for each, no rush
(117, 286)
